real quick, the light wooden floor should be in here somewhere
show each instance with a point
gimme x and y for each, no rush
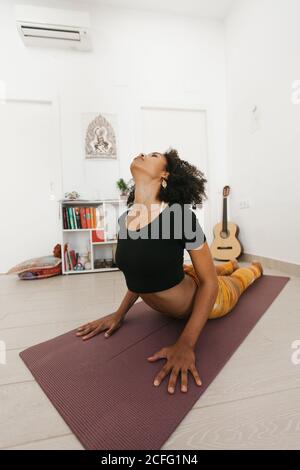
(254, 403)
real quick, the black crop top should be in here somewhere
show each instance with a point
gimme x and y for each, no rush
(151, 257)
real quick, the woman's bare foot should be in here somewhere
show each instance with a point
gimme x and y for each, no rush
(258, 265)
(235, 264)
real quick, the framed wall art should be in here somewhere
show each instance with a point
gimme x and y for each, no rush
(100, 136)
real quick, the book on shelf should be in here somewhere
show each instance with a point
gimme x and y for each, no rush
(71, 257)
(75, 218)
(82, 218)
(88, 217)
(67, 258)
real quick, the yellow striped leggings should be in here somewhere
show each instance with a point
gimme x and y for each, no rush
(232, 284)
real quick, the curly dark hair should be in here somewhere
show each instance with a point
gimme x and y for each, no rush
(186, 183)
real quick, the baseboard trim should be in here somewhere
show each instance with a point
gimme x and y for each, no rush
(289, 268)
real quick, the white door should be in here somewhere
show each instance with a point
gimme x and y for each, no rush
(182, 129)
(30, 170)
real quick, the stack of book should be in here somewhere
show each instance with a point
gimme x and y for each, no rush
(71, 259)
(82, 217)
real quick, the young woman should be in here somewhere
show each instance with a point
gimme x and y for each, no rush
(153, 265)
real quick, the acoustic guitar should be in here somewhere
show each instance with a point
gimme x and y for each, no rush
(225, 245)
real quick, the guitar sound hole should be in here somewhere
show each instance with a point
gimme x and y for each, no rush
(224, 234)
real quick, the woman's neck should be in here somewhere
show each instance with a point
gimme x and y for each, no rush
(146, 194)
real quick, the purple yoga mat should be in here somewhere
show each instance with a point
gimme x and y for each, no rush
(103, 388)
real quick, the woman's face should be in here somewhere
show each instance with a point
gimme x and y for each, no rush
(154, 165)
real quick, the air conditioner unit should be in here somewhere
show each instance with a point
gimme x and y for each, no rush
(39, 26)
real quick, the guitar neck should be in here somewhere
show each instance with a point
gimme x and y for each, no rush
(224, 219)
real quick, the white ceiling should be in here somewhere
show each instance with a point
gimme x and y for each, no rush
(213, 9)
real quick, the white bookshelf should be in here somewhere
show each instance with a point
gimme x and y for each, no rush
(84, 240)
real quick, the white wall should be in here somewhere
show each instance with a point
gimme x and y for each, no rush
(138, 58)
(263, 50)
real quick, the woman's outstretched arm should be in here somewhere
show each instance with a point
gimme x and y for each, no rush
(127, 302)
(205, 296)
(181, 355)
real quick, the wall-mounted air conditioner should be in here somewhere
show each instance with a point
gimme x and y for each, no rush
(39, 26)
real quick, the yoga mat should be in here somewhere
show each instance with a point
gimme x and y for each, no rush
(103, 387)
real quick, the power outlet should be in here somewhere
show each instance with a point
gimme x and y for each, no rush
(244, 204)
(255, 119)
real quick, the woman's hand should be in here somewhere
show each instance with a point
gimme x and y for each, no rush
(180, 358)
(110, 322)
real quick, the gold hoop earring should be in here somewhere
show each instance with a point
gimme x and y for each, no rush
(164, 184)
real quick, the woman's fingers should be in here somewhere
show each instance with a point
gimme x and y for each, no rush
(110, 331)
(161, 375)
(93, 328)
(196, 375)
(82, 327)
(94, 332)
(172, 380)
(184, 380)
(86, 330)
